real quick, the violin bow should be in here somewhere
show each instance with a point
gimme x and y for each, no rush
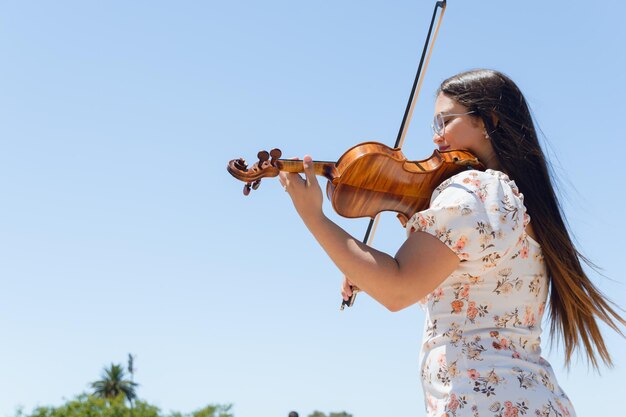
(406, 121)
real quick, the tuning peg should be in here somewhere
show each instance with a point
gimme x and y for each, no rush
(246, 189)
(263, 156)
(256, 184)
(275, 154)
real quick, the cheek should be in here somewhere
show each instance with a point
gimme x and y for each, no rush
(467, 137)
(455, 136)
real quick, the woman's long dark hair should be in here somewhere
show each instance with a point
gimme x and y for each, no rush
(575, 302)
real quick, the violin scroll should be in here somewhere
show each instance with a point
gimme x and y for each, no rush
(265, 167)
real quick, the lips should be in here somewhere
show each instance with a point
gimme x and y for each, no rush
(444, 148)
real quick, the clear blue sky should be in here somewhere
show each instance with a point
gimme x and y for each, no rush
(120, 230)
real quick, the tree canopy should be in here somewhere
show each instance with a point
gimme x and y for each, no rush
(113, 384)
(110, 395)
(85, 405)
(320, 414)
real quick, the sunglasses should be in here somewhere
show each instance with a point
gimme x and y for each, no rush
(439, 123)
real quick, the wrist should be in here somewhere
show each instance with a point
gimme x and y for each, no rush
(315, 221)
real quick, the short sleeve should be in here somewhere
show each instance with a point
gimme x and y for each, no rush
(480, 216)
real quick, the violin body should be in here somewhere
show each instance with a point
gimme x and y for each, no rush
(375, 178)
(368, 178)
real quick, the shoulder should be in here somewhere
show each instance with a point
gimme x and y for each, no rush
(483, 198)
(480, 185)
(479, 215)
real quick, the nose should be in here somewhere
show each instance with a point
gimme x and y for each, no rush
(438, 139)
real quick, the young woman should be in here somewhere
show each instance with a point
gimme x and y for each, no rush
(483, 259)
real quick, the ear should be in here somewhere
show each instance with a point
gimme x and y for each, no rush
(494, 119)
(478, 122)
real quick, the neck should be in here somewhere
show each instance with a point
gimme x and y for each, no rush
(323, 168)
(492, 163)
(489, 159)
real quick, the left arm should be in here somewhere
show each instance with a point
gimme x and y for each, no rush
(397, 282)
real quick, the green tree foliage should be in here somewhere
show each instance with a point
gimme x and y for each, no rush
(91, 406)
(213, 411)
(320, 414)
(113, 384)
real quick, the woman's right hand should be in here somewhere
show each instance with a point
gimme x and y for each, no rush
(346, 289)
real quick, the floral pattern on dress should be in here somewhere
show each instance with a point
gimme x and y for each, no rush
(481, 354)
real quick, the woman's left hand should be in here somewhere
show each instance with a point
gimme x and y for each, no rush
(305, 193)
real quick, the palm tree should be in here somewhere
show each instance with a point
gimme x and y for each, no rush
(113, 384)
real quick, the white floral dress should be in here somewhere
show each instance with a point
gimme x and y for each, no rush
(481, 354)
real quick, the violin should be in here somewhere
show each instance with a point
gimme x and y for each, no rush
(368, 178)
(371, 177)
